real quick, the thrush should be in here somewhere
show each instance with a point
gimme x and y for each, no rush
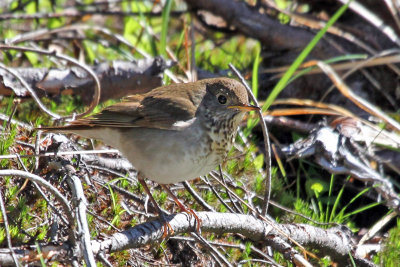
(173, 133)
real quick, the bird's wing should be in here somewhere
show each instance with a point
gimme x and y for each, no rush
(151, 110)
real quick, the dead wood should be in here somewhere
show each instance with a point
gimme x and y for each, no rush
(283, 42)
(336, 242)
(118, 79)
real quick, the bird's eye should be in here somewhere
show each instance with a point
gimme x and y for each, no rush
(222, 99)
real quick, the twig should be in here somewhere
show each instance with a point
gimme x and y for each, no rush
(56, 211)
(103, 258)
(197, 197)
(207, 182)
(30, 90)
(279, 206)
(81, 13)
(15, 102)
(267, 158)
(96, 95)
(237, 207)
(361, 103)
(83, 228)
(62, 153)
(383, 57)
(5, 221)
(4, 117)
(34, 35)
(214, 251)
(63, 201)
(377, 227)
(230, 245)
(266, 219)
(37, 148)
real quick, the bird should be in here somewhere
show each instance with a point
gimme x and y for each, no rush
(172, 133)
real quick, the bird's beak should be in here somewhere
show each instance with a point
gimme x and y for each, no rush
(245, 107)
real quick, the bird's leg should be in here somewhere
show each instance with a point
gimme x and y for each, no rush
(182, 207)
(166, 226)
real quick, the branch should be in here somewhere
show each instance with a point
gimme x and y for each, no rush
(249, 22)
(335, 242)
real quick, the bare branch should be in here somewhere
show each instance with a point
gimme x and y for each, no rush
(334, 242)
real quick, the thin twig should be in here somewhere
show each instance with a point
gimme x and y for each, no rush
(197, 197)
(238, 208)
(41, 33)
(63, 201)
(97, 88)
(82, 13)
(213, 250)
(267, 158)
(56, 211)
(62, 153)
(15, 104)
(30, 90)
(5, 221)
(37, 149)
(266, 218)
(103, 258)
(26, 126)
(205, 180)
(231, 245)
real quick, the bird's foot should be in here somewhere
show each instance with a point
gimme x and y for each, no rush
(167, 228)
(185, 209)
(196, 218)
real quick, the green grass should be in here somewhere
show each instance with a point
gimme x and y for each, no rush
(6, 142)
(301, 57)
(389, 256)
(164, 28)
(256, 64)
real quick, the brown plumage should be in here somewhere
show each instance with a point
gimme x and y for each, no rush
(160, 108)
(172, 133)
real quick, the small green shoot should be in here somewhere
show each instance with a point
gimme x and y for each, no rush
(164, 28)
(42, 263)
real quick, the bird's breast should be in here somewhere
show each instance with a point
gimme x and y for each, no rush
(170, 156)
(167, 157)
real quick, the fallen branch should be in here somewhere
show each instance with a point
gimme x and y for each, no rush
(335, 242)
